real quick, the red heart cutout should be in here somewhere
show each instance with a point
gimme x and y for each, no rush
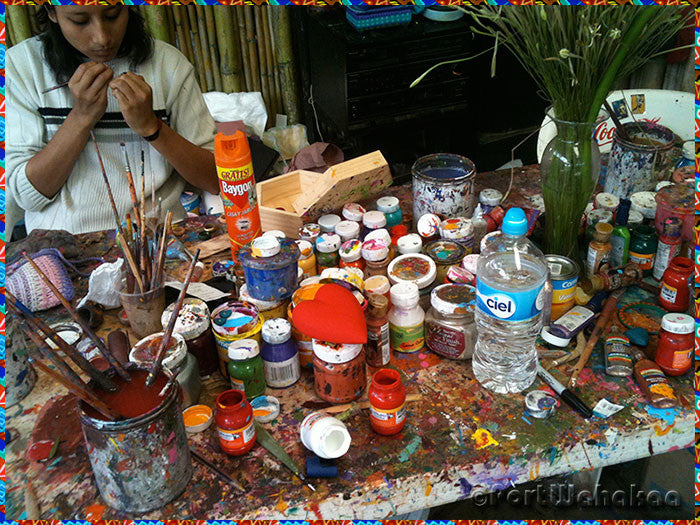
(334, 315)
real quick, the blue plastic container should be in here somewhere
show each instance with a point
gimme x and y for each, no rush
(271, 278)
(363, 18)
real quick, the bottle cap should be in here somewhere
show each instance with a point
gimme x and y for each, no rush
(428, 225)
(388, 204)
(602, 231)
(353, 212)
(197, 418)
(348, 230)
(404, 295)
(378, 305)
(335, 353)
(678, 323)
(265, 246)
(328, 222)
(380, 234)
(351, 250)
(243, 349)
(410, 243)
(453, 299)
(514, 223)
(540, 404)
(328, 243)
(309, 231)
(377, 284)
(645, 203)
(634, 218)
(374, 219)
(413, 268)
(276, 331)
(553, 339)
(279, 234)
(306, 249)
(456, 228)
(265, 408)
(375, 250)
(144, 351)
(490, 197)
(607, 201)
(597, 216)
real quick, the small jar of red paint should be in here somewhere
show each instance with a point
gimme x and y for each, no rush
(339, 371)
(674, 354)
(387, 400)
(675, 291)
(234, 423)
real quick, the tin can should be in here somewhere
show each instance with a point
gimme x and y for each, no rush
(564, 274)
(245, 323)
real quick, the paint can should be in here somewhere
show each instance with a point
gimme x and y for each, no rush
(638, 164)
(339, 371)
(444, 253)
(142, 462)
(443, 184)
(20, 375)
(233, 321)
(676, 201)
(270, 268)
(564, 275)
(191, 202)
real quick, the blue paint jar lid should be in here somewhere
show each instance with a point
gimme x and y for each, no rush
(289, 254)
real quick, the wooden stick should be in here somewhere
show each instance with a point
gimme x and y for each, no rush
(252, 48)
(109, 188)
(216, 469)
(198, 57)
(213, 46)
(576, 352)
(183, 40)
(335, 409)
(79, 391)
(600, 326)
(37, 324)
(144, 240)
(155, 368)
(83, 323)
(204, 44)
(264, 72)
(132, 263)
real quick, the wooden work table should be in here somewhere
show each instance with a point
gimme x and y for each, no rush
(459, 439)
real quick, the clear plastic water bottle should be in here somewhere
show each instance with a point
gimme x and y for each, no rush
(510, 296)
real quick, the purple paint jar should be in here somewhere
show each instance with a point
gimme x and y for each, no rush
(280, 354)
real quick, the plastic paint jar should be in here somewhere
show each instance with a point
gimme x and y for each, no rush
(246, 368)
(459, 230)
(676, 201)
(606, 201)
(675, 294)
(307, 259)
(411, 243)
(351, 254)
(489, 198)
(374, 250)
(270, 268)
(413, 268)
(353, 212)
(232, 321)
(564, 274)
(406, 327)
(234, 423)
(389, 206)
(387, 402)
(280, 354)
(445, 254)
(674, 354)
(324, 435)
(347, 230)
(643, 248)
(309, 232)
(378, 284)
(194, 325)
(327, 246)
(372, 220)
(328, 222)
(450, 330)
(266, 309)
(339, 371)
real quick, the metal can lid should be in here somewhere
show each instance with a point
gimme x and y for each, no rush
(428, 225)
(328, 243)
(413, 268)
(411, 243)
(552, 339)
(276, 331)
(456, 228)
(328, 222)
(348, 229)
(607, 201)
(453, 299)
(305, 248)
(540, 404)
(309, 231)
(374, 219)
(265, 246)
(375, 250)
(490, 197)
(678, 323)
(445, 251)
(243, 349)
(388, 204)
(561, 268)
(353, 212)
(351, 251)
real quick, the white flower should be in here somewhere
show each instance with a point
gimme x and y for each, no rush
(564, 53)
(615, 33)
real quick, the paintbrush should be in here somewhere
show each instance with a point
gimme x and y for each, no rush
(600, 326)
(157, 274)
(54, 88)
(82, 322)
(79, 391)
(44, 350)
(336, 409)
(274, 448)
(580, 344)
(130, 260)
(36, 324)
(132, 188)
(216, 469)
(144, 241)
(621, 132)
(109, 188)
(155, 368)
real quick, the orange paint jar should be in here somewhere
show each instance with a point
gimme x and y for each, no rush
(339, 371)
(387, 400)
(234, 423)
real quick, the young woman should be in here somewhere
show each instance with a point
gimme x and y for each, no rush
(123, 86)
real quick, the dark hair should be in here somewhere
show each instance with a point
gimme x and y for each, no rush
(64, 59)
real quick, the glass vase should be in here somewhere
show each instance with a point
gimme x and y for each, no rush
(569, 168)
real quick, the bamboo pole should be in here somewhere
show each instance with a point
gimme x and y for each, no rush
(240, 15)
(264, 70)
(32, 19)
(157, 22)
(171, 25)
(276, 89)
(285, 60)
(213, 45)
(18, 23)
(226, 35)
(204, 43)
(196, 46)
(183, 39)
(252, 49)
(193, 46)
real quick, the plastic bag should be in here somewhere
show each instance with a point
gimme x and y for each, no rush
(286, 140)
(103, 285)
(229, 107)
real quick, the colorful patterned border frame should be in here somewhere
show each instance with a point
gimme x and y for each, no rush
(351, 2)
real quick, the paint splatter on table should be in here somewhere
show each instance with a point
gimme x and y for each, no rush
(460, 439)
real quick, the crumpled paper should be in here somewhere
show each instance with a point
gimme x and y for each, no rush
(103, 285)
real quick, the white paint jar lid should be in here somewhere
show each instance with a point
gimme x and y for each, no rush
(328, 222)
(335, 353)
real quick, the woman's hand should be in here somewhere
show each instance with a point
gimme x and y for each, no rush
(88, 86)
(135, 99)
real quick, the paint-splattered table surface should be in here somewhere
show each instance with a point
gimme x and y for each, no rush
(460, 440)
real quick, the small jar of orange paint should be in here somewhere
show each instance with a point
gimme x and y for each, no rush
(387, 400)
(234, 423)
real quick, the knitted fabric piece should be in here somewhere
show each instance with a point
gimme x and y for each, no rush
(26, 284)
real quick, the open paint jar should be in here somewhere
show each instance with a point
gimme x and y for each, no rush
(270, 268)
(443, 184)
(444, 253)
(676, 201)
(233, 321)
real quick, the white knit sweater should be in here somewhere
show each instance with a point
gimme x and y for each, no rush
(82, 204)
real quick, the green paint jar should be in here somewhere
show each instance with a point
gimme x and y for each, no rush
(246, 368)
(643, 248)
